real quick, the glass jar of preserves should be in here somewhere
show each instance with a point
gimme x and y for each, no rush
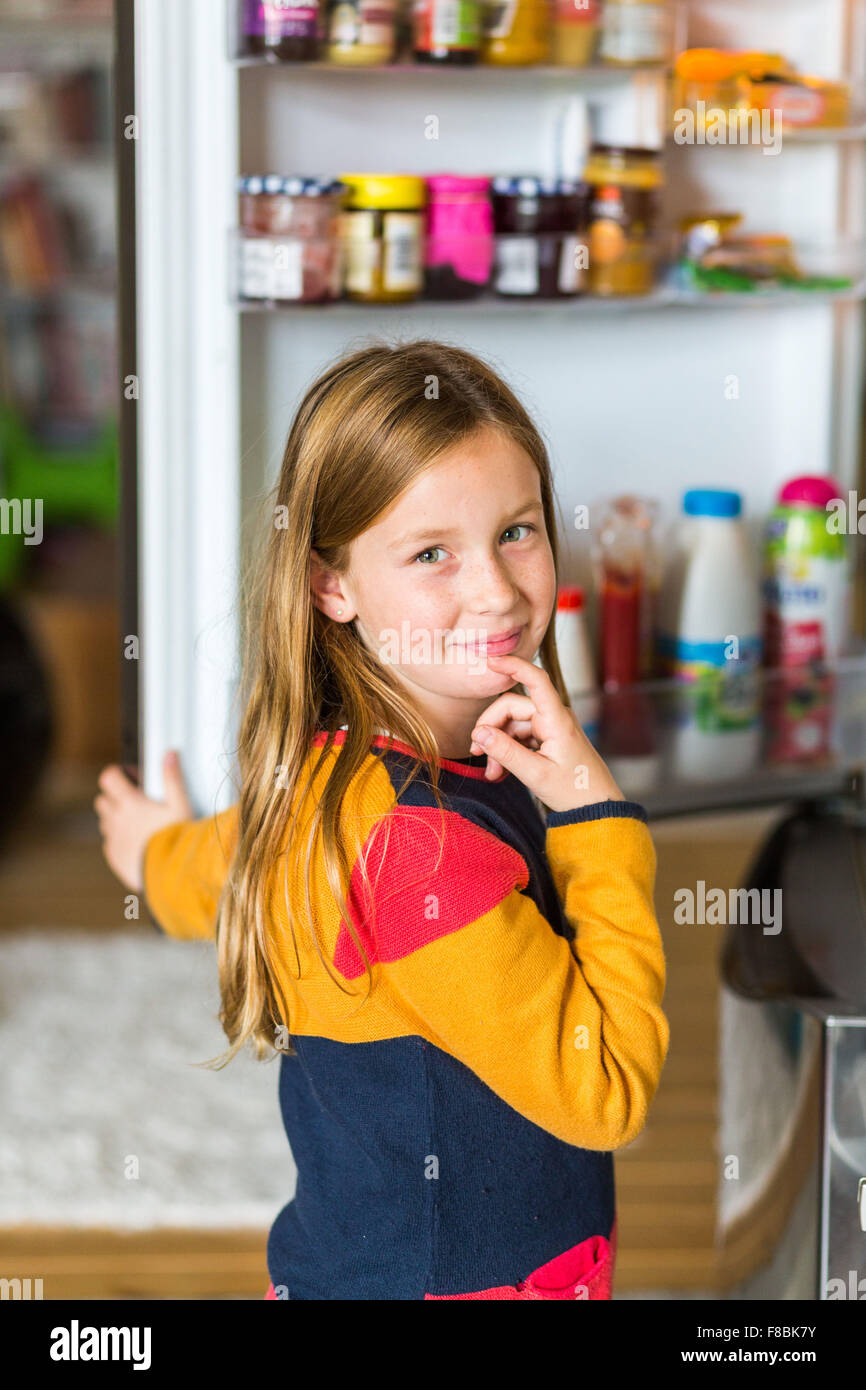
(446, 31)
(289, 247)
(540, 225)
(516, 32)
(575, 30)
(635, 32)
(383, 233)
(283, 29)
(623, 217)
(361, 32)
(459, 237)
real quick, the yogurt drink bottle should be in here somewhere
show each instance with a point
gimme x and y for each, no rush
(709, 638)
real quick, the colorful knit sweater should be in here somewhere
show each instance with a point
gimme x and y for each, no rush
(453, 1132)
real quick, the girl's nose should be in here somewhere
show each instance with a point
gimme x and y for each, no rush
(490, 587)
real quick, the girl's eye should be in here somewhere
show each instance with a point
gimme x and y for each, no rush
(517, 526)
(431, 550)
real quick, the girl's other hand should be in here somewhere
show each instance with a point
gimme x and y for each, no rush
(550, 753)
(128, 818)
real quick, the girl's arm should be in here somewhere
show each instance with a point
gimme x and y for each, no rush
(155, 847)
(571, 1035)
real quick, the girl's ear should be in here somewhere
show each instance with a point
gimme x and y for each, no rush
(326, 591)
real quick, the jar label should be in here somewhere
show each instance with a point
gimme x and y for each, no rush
(517, 265)
(279, 19)
(363, 250)
(271, 268)
(633, 33)
(723, 694)
(570, 274)
(446, 24)
(402, 237)
(362, 23)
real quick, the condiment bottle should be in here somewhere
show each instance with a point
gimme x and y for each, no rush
(575, 658)
(575, 30)
(516, 32)
(626, 569)
(446, 31)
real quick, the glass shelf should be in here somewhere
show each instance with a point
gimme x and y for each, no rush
(807, 740)
(594, 72)
(580, 305)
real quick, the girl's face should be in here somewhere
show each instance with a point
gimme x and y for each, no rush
(460, 559)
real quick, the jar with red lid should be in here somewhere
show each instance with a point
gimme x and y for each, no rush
(540, 229)
(289, 245)
(459, 237)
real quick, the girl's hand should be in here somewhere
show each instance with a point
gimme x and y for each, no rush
(551, 754)
(128, 818)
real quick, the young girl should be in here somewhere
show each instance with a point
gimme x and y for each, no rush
(432, 899)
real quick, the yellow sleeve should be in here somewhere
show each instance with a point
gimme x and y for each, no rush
(185, 866)
(570, 1034)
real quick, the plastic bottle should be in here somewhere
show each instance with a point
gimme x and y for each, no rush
(806, 619)
(626, 574)
(709, 637)
(575, 658)
(805, 576)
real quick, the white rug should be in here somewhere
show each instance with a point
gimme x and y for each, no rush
(98, 1036)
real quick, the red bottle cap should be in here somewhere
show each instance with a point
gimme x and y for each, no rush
(571, 596)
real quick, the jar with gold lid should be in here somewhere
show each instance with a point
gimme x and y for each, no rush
(383, 237)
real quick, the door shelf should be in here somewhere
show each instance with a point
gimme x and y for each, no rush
(580, 305)
(592, 73)
(808, 739)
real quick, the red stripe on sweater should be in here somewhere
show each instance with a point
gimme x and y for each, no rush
(429, 878)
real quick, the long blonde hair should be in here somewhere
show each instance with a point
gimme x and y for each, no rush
(363, 433)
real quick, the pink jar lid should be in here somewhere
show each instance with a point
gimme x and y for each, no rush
(440, 184)
(811, 489)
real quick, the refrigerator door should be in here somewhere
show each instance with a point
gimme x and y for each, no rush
(183, 130)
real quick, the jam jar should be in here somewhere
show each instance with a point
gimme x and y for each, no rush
(459, 242)
(623, 218)
(281, 29)
(383, 235)
(540, 226)
(289, 245)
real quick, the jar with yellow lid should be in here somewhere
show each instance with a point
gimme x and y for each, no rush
(516, 32)
(634, 32)
(383, 237)
(623, 216)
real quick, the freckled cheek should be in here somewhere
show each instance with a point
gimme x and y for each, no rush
(408, 600)
(537, 581)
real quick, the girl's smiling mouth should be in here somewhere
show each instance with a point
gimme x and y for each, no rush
(497, 644)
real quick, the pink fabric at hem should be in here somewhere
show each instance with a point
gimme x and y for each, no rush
(584, 1272)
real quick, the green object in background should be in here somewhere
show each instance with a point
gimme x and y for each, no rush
(74, 484)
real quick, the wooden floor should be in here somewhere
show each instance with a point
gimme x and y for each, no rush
(52, 874)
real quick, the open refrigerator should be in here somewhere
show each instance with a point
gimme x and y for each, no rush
(636, 390)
